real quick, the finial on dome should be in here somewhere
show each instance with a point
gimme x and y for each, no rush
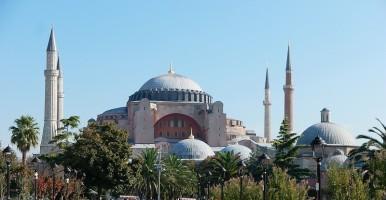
(171, 71)
(191, 136)
(325, 115)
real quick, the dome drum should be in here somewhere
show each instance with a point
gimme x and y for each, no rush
(172, 95)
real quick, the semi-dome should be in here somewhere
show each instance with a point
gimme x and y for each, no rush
(171, 87)
(116, 111)
(330, 132)
(243, 151)
(171, 80)
(192, 149)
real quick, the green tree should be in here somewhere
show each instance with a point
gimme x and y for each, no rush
(282, 186)
(345, 184)
(24, 135)
(66, 133)
(378, 174)
(251, 190)
(287, 151)
(102, 153)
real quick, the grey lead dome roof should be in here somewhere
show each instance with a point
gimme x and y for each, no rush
(243, 151)
(192, 149)
(171, 80)
(331, 133)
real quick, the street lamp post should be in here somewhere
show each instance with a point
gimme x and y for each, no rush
(242, 166)
(35, 161)
(36, 176)
(222, 182)
(67, 182)
(7, 152)
(318, 144)
(53, 166)
(209, 176)
(159, 169)
(264, 159)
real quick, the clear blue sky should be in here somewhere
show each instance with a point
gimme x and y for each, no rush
(109, 49)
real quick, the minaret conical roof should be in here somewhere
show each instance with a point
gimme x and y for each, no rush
(266, 80)
(58, 64)
(288, 65)
(51, 43)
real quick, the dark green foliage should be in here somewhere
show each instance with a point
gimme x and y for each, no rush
(282, 186)
(287, 151)
(65, 133)
(102, 153)
(251, 190)
(345, 184)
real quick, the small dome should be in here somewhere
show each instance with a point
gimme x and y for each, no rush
(171, 80)
(192, 149)
(243, 151)
(331, 133)
(337, 160)
(338, 152)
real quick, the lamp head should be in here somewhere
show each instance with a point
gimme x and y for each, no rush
(7, 151)
(35, 160)
(318, 141)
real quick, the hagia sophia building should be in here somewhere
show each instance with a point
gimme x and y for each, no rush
(174, 113)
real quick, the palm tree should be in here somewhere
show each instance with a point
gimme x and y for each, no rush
(368, 149)
(177, 179)
(365, 155)
(373, 142)
(226, 164)
(24, 135)
(146, 184)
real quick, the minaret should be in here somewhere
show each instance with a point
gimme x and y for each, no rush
(60, 94)
(288, 93)
(267, 110)
(51, 96)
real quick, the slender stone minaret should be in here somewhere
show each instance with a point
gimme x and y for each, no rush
(60, 94)
(267, 110)
(51, 97)
(288, 93)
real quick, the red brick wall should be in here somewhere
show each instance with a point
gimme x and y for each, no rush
(177, 126)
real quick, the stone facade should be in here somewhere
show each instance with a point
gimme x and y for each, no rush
(155, 115)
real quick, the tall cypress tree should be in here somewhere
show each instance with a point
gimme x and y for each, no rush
(286, 152)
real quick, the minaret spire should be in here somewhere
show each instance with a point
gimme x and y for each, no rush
(267, 110)
(51, 96)
(288, 93)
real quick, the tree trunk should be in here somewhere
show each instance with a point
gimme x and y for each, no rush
(24, 156)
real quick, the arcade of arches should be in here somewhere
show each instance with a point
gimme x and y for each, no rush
(177, 126)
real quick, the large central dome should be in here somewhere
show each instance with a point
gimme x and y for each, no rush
(171, 87)
(171, 80)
